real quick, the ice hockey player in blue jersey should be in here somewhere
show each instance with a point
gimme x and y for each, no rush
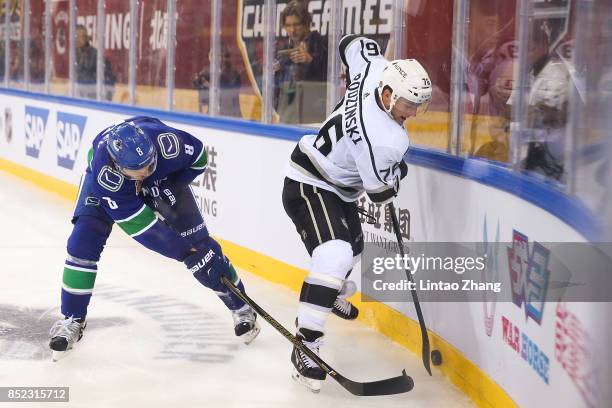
(138, 178)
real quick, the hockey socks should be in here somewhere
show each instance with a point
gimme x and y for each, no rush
(78, 282)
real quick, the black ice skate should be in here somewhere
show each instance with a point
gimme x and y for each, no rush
(245, 324)
(342, 307)
(306, 371)
(345, 309)
(65, 334)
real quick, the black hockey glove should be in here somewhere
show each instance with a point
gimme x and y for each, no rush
(207, 264)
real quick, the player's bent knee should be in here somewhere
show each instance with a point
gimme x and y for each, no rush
(88, 238)
(333, 258)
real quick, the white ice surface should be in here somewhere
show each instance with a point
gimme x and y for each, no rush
(178, 350)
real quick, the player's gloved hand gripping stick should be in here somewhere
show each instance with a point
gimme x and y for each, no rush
(208, 265)
(394, 385)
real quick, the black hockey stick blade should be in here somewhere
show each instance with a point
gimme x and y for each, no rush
(415, 298)
(389, 386)
(396, 385)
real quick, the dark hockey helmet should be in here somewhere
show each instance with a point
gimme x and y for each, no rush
(131, 148)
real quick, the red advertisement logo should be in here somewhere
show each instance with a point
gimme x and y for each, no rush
(573, 351)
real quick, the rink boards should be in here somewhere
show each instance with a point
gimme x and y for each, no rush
(494, 351)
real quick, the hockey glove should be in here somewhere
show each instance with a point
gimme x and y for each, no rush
(208, 264)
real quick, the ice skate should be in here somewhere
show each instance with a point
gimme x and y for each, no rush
(306, 371)
(342, 307)
(345, 309)
(65, 334)
(245, 324)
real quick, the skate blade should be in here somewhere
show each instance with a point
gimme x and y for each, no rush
(58, 355)
(313, 385)
(249, 336)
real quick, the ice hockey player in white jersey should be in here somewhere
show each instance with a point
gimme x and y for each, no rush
(359, 148)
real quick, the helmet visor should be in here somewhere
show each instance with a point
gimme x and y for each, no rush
(404, 109)
(415, 109)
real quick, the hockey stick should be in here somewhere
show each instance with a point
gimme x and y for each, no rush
(415, 298)
(389, 386)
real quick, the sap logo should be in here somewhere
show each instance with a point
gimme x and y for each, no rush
(529, 275)
(70, 129)
(35, 124)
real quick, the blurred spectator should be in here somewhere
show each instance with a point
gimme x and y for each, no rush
(490, 78)
(37, 59)
(547, 112)
(547, 106)
(15, 66)
(16, 61)
(86, 61)
(229, 83)
(37, 56)
(300, 68)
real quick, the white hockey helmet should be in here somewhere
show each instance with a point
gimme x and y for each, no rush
(407, 79)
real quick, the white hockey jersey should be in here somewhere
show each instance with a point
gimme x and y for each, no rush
(359, 147)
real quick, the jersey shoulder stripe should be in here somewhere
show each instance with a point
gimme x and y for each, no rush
(201, 161)
(342, 46)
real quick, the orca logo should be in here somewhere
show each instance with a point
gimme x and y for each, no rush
(35, 124)
(70, 129)
(169, 145)
(92, 201)
(110, 179)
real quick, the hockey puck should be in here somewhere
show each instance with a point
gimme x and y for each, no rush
(436, 357)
